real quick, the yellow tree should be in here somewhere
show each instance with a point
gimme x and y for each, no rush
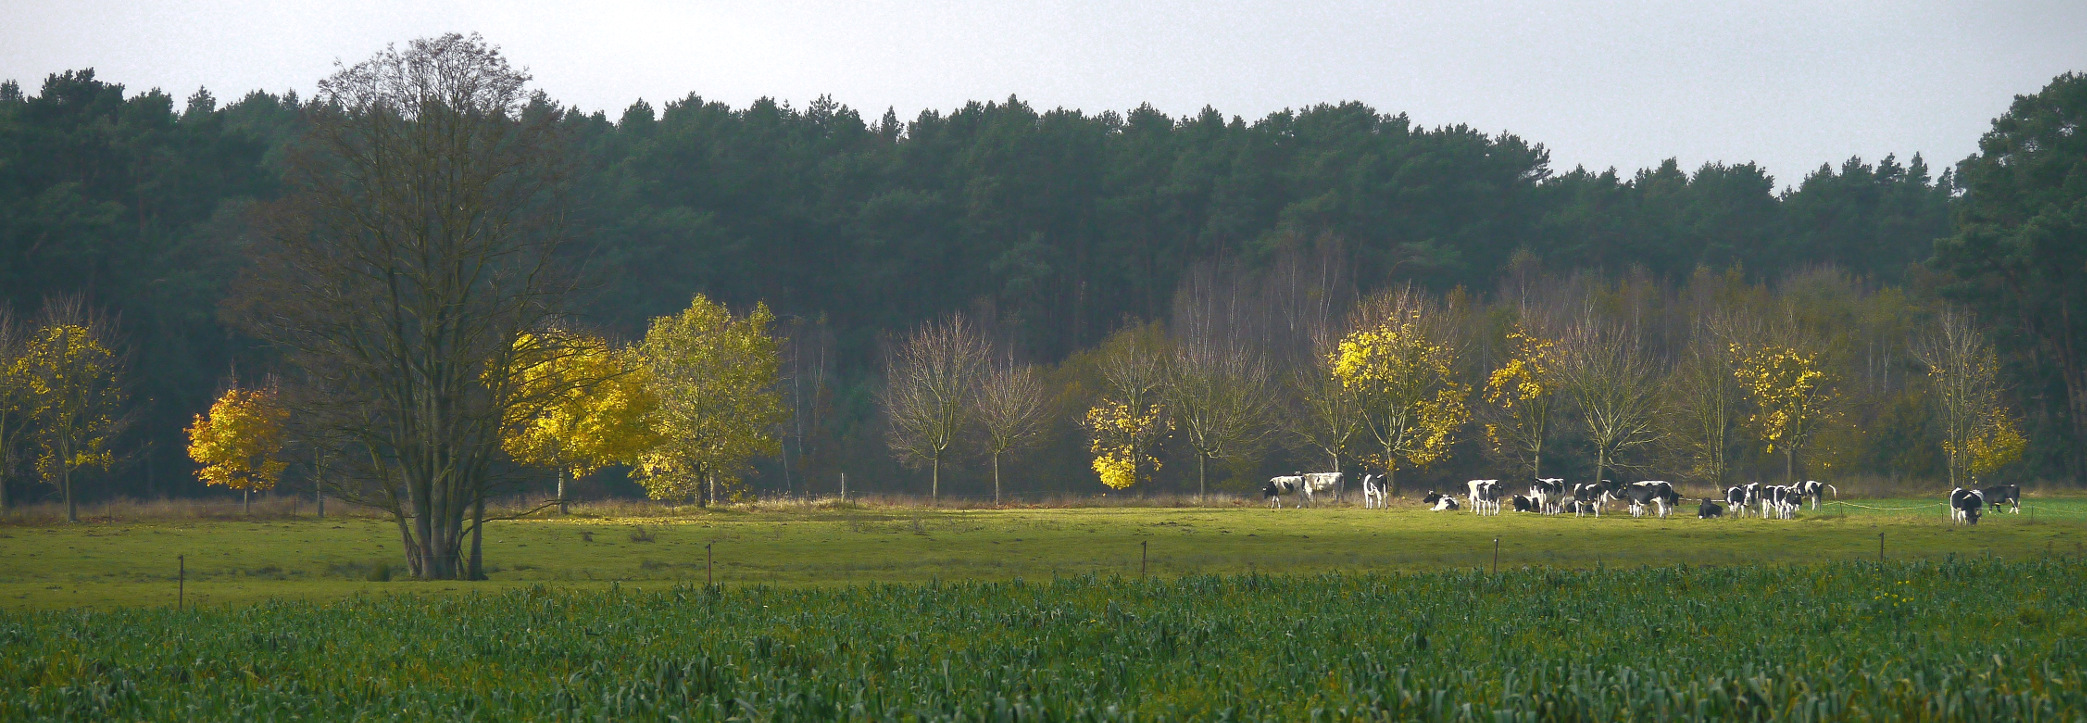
(1126, 424)
(1399, 361)
(594, 401)
(1520, 396)
(716, 405)
(240, 442)
(75, 384)
(1791, 395)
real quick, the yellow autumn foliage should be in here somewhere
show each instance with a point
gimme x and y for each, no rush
(1120, 439)
(240, 441)
(1402, 373)
(590, 402)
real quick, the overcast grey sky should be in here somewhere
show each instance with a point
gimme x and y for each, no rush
(1625, 84)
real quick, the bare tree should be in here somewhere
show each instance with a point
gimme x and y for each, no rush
(1605, 371)
(1327, 416)
(808, 368)
(1011, 409)
(1705, 413)
(417, 242)
(1217, 386)
(930, 380)
(1964, 375)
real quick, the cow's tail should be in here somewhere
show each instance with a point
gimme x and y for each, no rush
(1836, 491)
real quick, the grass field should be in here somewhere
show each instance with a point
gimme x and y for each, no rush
(120, 564)
(1969, 639)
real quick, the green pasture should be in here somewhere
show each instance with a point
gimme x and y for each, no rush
(103, 565)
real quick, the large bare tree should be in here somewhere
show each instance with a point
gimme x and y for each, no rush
(1964, 379)
(1217, 384)
(1011, 407)
(417, 241)
(1614, 383)
(930, 380)
(1706, 398)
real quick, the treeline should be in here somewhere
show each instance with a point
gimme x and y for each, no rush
(1057, 226)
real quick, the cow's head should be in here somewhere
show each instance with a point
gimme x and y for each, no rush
(1431, 497)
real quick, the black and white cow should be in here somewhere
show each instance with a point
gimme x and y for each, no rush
(1373, 491)
(1522, 504)
(1547, 493)
(1814, 490)
(1780, 502)
(2010, 495)
(1319, 483)
(1282, 485)
(1736, 498)
(1484, 496)
(1966, 505)
(1709, 509)
(1651, 493)
(1588, 497)
(1441, 502)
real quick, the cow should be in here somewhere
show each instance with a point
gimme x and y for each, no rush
(1372, 491)
(1282, 485)
(1574, 506)
(2010, 495)
(1523, 504)
(1709, 509)
(1547, 493)
(1965, 505)
(1736, 497)
(1588, 497)
(1316, 483)
(1484, 496)
(1780, 502)
(1814, 490)
(1660, 495)
(1441, 502)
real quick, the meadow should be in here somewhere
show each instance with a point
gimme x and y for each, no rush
(1956, 639)
(234, 560)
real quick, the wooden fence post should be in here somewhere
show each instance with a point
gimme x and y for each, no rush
(181, 582)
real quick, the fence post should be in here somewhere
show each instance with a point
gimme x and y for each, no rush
(708, 580)
(1141, 557)
(1496, 556)
(181, 582)
(1880, 546)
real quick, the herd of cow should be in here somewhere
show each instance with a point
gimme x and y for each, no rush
(1552, 496)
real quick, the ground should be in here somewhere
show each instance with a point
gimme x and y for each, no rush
(122, 564)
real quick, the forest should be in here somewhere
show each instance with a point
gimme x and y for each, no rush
(1061, 237)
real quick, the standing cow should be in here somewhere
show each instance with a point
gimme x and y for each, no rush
(1282, 485)
(1373, 491)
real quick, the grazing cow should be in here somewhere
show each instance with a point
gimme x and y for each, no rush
(1709, 509)
(1441, 502)
(1814, 490)
(1523, 504)
(2010, 495)
(1588, 496)
(1484, 496)
(1660, 495)
(1547, 493)
(1283, 485)
(1372, 491)
(1736, 498)
(1965, 505)
(1319, 483)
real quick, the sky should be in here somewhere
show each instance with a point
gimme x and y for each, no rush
(1789, 85)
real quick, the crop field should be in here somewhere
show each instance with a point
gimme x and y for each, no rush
(1964, 639)
(122, 564)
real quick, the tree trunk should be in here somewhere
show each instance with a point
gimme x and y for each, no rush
(478, 533)
(72, 507)
(996, 478)
(1391, 479)
(1201, 486)
(246, 502)
(1789, 464)
(935, 480)
(561, 492)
